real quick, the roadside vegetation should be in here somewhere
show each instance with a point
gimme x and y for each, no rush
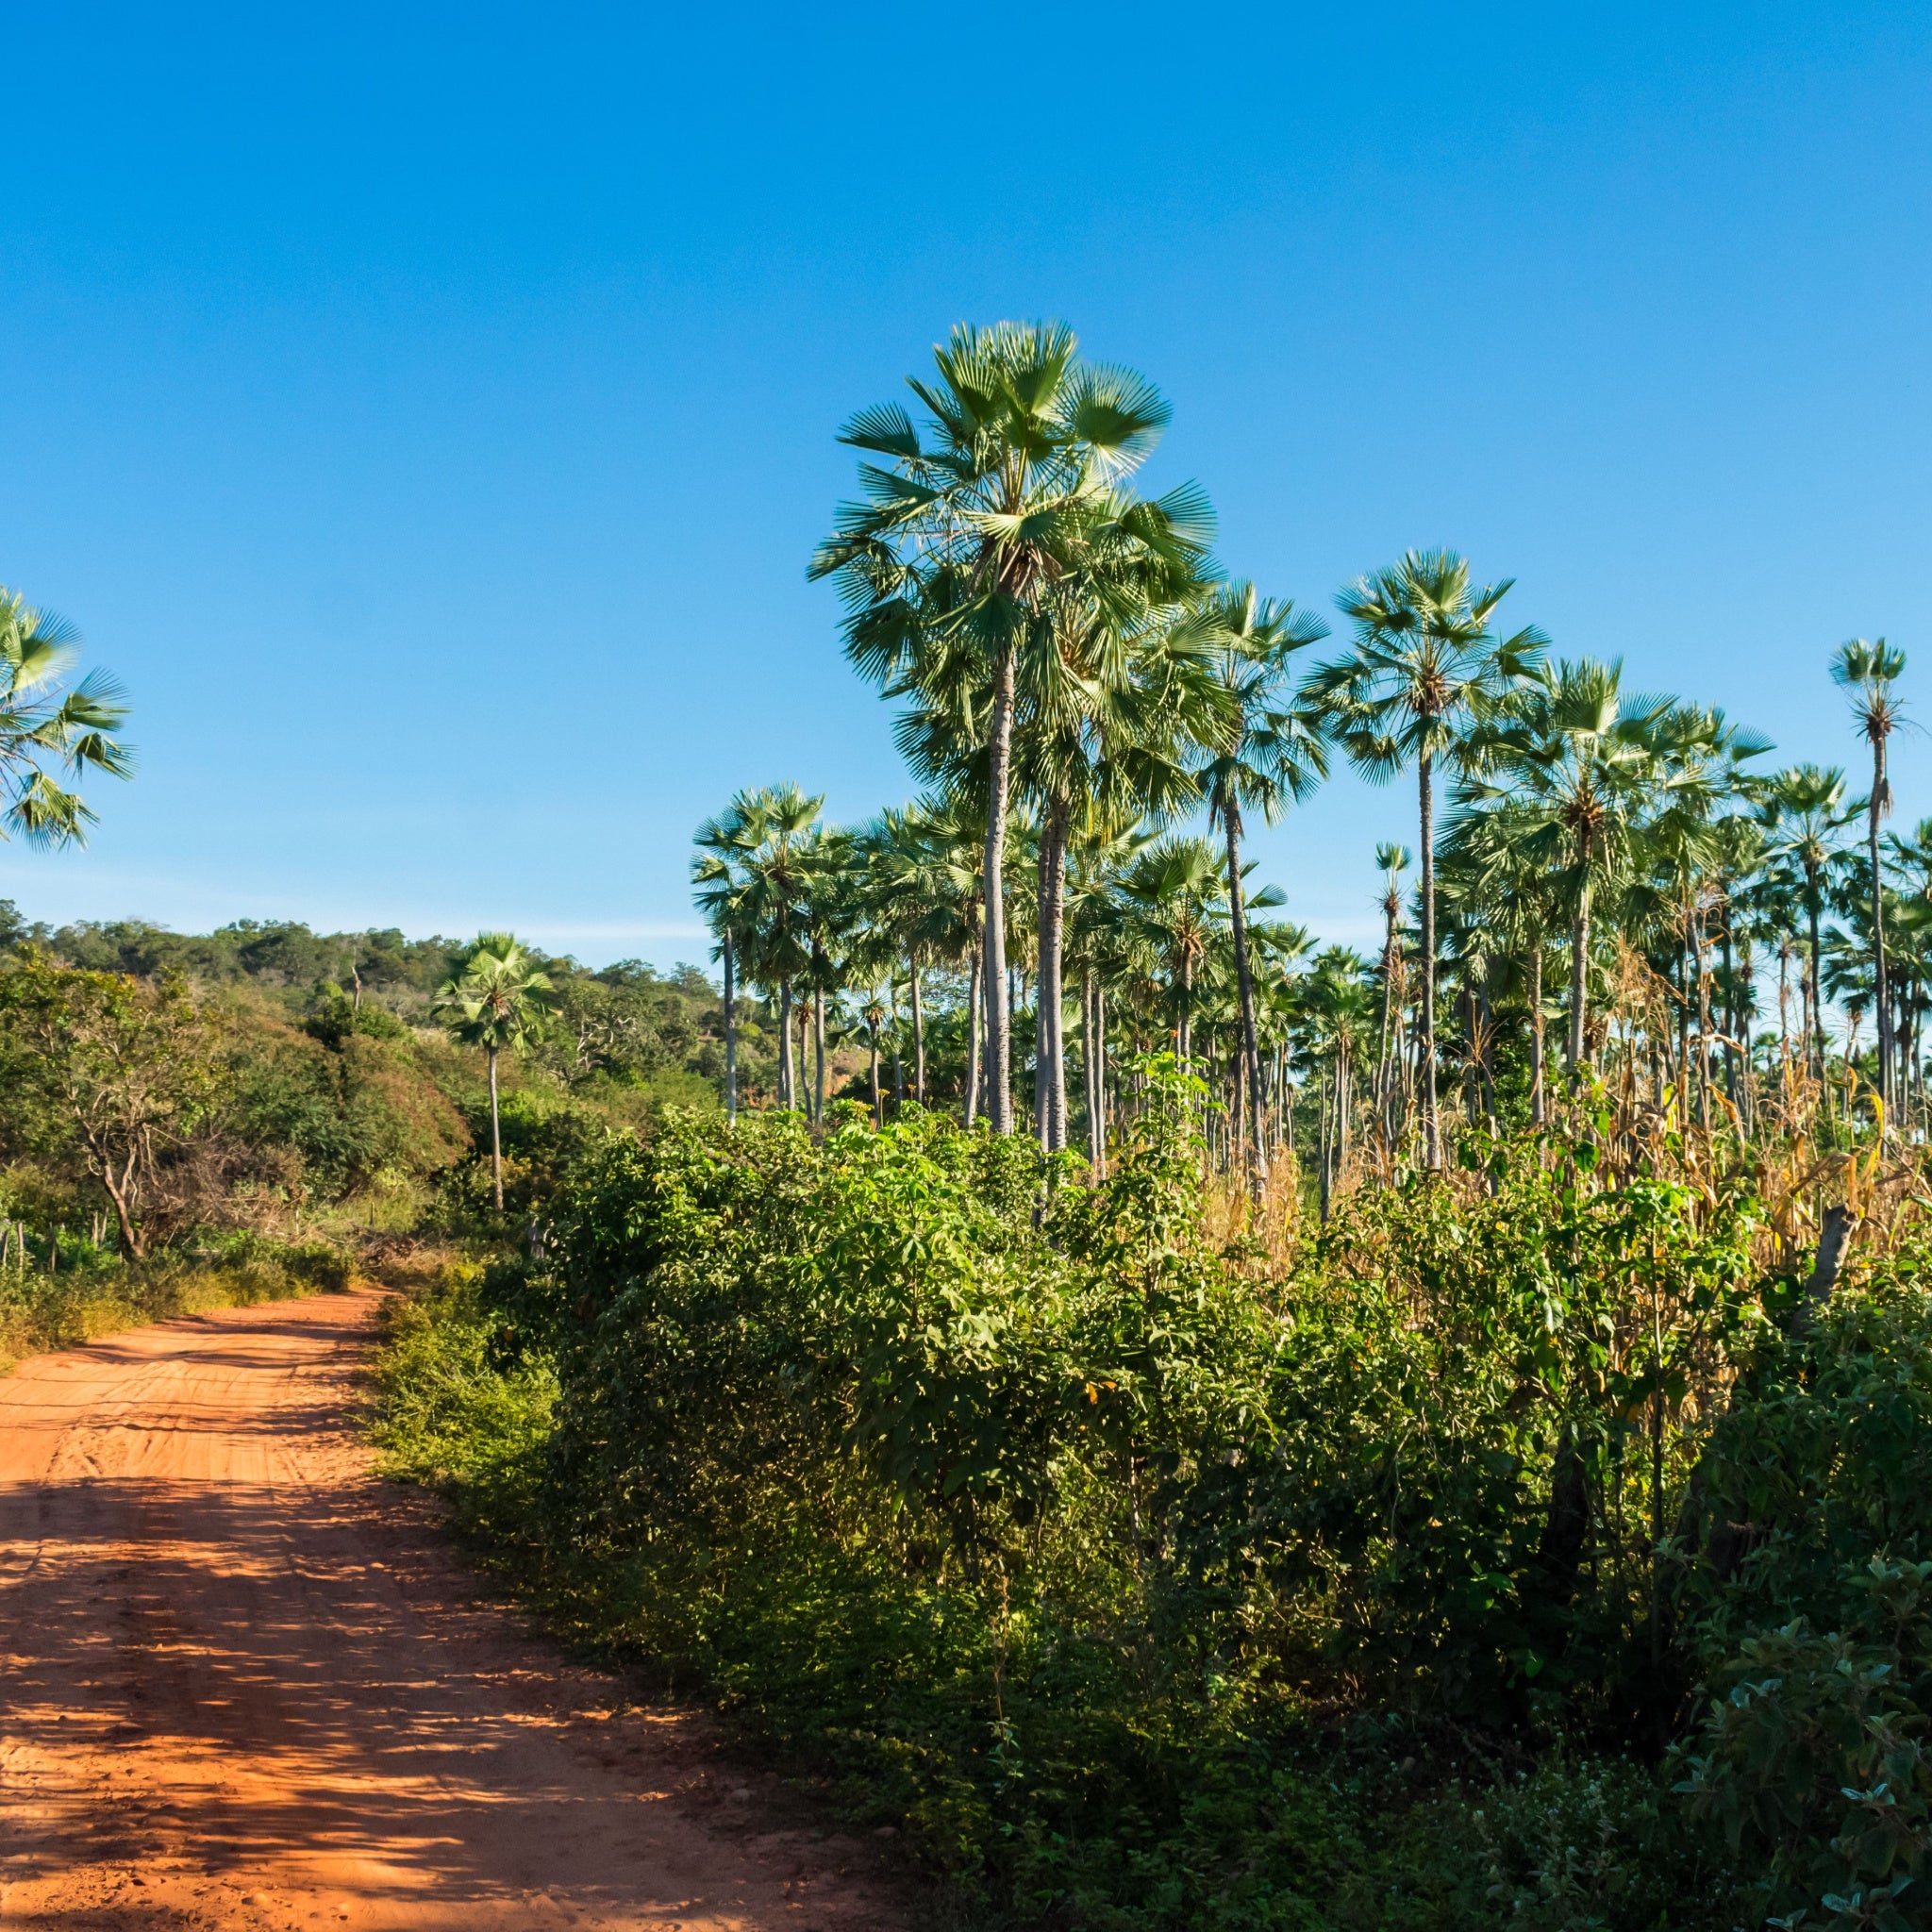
(1179, 1426)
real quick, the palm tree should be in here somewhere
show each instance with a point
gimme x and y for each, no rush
(1391, 862)
(718, 870)
(1173, 892)
(1424, 664)
(871, 1013)
(1804, 811)
(39, 724)
(497, 998)
(1572, 766)
(963, 532)
(1272, 753)
(1114, 698)
(1700, 757)
(1335, 1007)
(1868, 672)
(1115, 739)
(830, 908)
(771, 905)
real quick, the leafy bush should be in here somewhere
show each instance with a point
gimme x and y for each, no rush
(1809, 1603)
(1147, 1583)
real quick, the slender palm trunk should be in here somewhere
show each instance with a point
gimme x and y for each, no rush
(1883, 1005)
(999, 1057)
(495, 1137)
(731, 1037)
(1537, 1103)
(1050, 1070)
(1682, 971)
(1391, 909)
(1696, 924)
(818, 1042)
(1186, 1039)
(1432, 1139)
(1090, 1055)
(898, 1063)
(918, 1038)
(1250, 1071)
(1817, 982)
(788, 1074)
(1732, 1030)
(1324, 1137)
(1579, 972)
(975, 1008)
(1100, 1101)
(1341, 1100)
(878, 1099)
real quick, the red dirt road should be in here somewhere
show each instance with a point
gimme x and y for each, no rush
(241, 1685)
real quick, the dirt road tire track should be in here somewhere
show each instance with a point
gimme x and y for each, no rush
(242, 1685)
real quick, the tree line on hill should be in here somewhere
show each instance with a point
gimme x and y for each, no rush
(155, 1084)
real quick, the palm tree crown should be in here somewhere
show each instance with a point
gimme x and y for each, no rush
(41, 725)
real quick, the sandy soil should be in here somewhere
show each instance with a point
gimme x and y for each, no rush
(241, 1684)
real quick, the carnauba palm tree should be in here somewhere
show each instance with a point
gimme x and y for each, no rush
(1426, 664)
(1700, 783)
(1272, 752)
(1115, 693)
(1565, 764)
(718, 870)
(1868, 671)
(43, 726)
(1804, 813)
(1391, 862)
(771, 907)
(1174, 893)
(498, 998)
(1335, 1003)
(967, 523)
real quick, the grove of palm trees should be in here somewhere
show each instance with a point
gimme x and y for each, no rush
(1186, 1427)
(1610, 881)
(1143, 1419)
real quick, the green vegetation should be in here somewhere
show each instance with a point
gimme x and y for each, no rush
(1526, 1546)
(161, 1093)
(63, 1290)
(1399, 1475)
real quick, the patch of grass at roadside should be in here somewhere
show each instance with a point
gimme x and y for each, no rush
(40, 1313)
(450, 1418)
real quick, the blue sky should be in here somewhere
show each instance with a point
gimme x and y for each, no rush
(428, 413)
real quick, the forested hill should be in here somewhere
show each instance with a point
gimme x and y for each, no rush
(271, 1078)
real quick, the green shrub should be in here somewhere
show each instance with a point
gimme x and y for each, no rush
(1145, 1585)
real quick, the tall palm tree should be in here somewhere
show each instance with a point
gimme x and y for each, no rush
(1566, 757)
(1174, 892)
(498, 998)
(1113, 702)
(1424, 664)
(1272, 753)
(1391, 862)
(1868, 672)
(725, 844)
(1804, 814)
(963, 531)
(772, 905)
(1334, 1005)
(1700, 757)
(41, 725)
(831, 909)
(1119, 738)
